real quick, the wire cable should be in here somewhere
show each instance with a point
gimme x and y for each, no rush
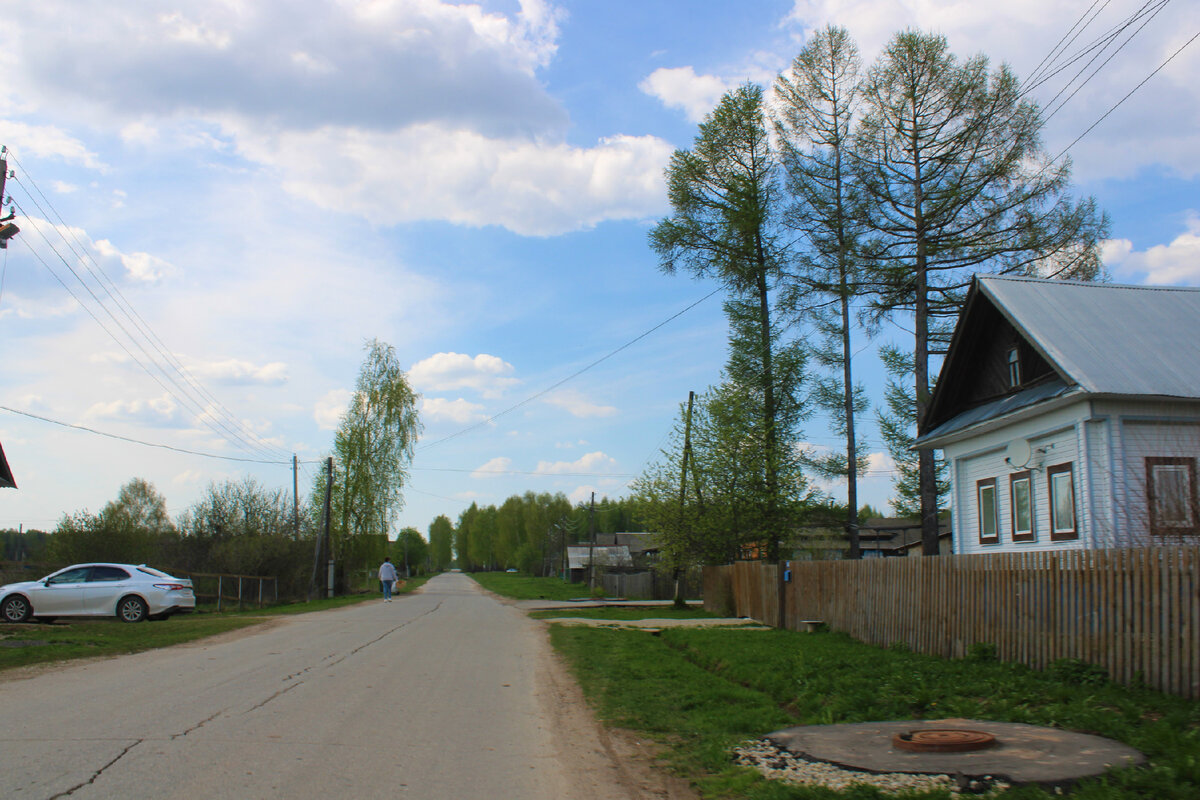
(194, 407)
(570, 377)
(230, 423)
(1127, 95)
(139, 441)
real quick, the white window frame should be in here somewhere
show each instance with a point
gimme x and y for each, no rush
(1027, 533)
(988, 485)
(1060, 531)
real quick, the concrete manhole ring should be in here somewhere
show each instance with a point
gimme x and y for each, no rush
(1020, 753)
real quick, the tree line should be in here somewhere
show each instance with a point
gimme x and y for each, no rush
(847, 199)
(530, 532)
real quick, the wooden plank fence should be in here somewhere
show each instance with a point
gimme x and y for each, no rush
(1135, 612)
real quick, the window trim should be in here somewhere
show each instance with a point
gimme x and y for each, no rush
(1061, 534)
(980, 485)
(1157, 529)
(1029, 535)
(1014, 368)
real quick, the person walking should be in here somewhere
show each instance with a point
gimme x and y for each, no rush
(387, 576)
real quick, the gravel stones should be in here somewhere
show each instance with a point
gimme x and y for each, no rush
(776, 763)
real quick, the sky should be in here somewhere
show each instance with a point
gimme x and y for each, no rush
(222, 202)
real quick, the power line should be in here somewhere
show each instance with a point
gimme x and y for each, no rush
(570, 377)
(215, 409)
(189, 402)
(1106, 61)
(138, 441)
(1127, 95)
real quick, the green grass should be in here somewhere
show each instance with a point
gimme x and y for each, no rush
(625, 613)
(23, 645)
(522, 586)
(701, 691)
(27, 644)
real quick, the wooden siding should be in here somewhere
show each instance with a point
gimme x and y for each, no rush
(1135, 612)
(990, 464)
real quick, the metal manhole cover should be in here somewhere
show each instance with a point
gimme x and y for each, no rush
(943, 740)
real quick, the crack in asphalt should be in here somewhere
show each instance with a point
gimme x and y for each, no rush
(280, 693)
(198, 725)
(382, 636)
(293, 677)
(97, 773)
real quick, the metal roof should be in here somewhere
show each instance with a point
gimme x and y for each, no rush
(1108, 338)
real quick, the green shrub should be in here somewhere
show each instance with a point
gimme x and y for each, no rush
(1078, 672)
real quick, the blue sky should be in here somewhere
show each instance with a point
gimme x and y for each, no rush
(270, 185)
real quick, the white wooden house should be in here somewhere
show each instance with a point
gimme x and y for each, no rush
(1069, 414)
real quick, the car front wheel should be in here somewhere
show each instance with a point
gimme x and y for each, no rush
(131, 609)
(15, 609)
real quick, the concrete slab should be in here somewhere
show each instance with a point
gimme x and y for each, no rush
(1022, 753)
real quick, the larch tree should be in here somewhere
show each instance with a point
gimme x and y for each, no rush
(817, 100)
(725, 200)
(955, 181)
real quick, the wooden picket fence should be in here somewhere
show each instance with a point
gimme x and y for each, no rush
(1135, 612)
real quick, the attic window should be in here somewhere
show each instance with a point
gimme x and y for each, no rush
(1014, 368)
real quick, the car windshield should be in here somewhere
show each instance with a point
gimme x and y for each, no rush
(152, 571)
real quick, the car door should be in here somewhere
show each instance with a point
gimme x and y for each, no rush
(104, 588)
(61, 594)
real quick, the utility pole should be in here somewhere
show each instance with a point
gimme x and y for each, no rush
(325, 534)
(7, 228)
(592, 548)
(296, 494)
(687, 451)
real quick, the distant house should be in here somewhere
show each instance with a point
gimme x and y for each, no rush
(1069, 414)
(581, 558)
(888, 537)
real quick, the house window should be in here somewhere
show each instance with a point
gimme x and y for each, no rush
(989, 530)
(1061, 479)
(1020, 490)
(1014, 369)
(1171, 495)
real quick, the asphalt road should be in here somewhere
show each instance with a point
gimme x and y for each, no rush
(443, 694)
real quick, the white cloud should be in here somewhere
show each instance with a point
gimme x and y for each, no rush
(474, 139)
(329, 409)
(1174, 263)
(139, 266)
(439, 409)
(579, 405)
(47, 141)
(682, 88)
(428, 172)
(242, 373)
(154, 412)
(1154, 126)
(592, 462)
(493, 468)
(26, 308)
(445, 372)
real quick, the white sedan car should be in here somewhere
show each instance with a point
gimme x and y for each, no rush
(129, 592)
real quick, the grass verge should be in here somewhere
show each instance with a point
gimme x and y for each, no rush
(625, 613)
(701, 691)
(65, 640)
(522, 586)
